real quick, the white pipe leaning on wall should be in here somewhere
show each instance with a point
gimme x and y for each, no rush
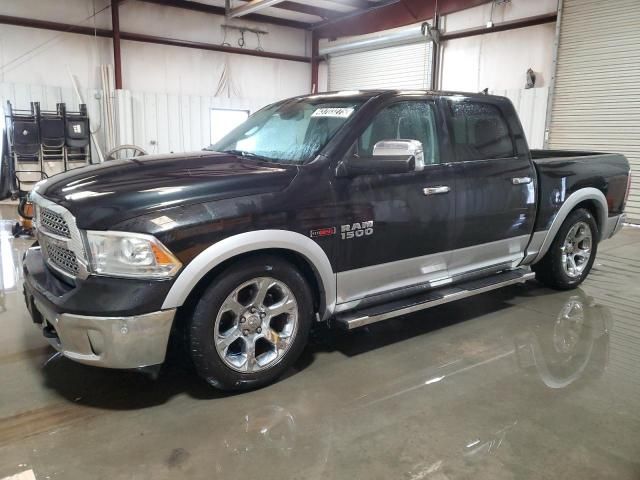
(108, 89)
(397, 37)
(123, 117)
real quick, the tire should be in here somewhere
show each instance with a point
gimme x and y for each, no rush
(552, 270)
(223, 327)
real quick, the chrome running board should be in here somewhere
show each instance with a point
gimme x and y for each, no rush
(439, 296)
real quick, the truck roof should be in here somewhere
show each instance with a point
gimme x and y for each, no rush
(366, 94)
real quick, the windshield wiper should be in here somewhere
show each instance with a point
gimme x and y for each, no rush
(243, 153)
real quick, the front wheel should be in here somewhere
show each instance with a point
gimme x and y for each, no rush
(572, 253)
(251, 324)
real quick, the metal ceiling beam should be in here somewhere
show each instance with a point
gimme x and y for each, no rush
(139, 37)
(356, 13)
(252, 7)
(55, 26)
(212, 9)
(360, 4)
(307, 9)
(502, 27)
(396, 14)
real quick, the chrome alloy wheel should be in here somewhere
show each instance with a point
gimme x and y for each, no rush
(576, 250)
(256, 325)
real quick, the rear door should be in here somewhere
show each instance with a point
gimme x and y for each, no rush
(495, 185)
(392, 235)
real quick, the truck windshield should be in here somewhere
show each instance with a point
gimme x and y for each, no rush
(293, 131)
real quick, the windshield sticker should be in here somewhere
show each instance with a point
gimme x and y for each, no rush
(333, 112)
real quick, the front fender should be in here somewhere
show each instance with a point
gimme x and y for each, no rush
(255, 241)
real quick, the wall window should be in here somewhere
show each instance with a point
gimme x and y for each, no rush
(479, 132)
(224, 120)
(403, 121)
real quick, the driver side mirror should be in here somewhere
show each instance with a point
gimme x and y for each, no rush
(389, 156)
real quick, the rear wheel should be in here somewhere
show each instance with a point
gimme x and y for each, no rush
(572, 253)
(251, 324)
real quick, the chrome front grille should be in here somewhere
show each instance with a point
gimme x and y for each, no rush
(54, 222)
(59, 237)
(61, 258)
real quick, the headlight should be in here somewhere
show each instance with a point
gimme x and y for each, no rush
(122, 254)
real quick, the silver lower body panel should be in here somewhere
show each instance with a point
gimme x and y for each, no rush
(435, 269)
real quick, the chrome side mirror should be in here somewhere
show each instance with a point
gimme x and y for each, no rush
(386, 148)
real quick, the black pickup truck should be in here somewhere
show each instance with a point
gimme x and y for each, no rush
(348, 208)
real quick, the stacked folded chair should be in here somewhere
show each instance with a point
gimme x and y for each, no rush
(39, 144)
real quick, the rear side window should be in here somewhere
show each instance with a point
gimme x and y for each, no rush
(479, 132)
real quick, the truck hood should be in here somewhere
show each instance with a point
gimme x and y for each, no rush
(100, 196)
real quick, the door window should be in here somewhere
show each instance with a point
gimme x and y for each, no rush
(403, 121)
(479, 131)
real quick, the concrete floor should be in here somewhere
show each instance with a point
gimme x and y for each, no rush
(519, 383)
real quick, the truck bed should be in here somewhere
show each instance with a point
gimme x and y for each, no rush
(562, 172)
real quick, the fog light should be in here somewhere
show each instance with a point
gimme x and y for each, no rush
(96, 341)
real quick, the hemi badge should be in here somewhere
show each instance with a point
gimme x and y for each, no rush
(322, 232)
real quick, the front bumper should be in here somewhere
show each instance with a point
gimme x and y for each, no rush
(120, 341)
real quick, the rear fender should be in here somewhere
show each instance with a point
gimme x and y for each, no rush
(544, 241)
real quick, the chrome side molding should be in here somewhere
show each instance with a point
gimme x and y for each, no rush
(436, 190)
(521, 180)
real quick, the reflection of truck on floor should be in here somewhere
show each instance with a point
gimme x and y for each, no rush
(548, 360)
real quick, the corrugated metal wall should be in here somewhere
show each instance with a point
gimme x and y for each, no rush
(398, 67)
(596, 101)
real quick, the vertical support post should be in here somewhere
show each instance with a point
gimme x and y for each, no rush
(115, 26)
(552, 83)
(435, 52)
(315, 61)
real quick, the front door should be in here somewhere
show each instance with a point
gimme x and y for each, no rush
(495, 187)
(395, 229)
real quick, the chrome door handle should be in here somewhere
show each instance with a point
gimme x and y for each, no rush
(436, 190)
(521, 180)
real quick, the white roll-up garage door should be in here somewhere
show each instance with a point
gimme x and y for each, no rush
(396, 67)
(596, 101)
